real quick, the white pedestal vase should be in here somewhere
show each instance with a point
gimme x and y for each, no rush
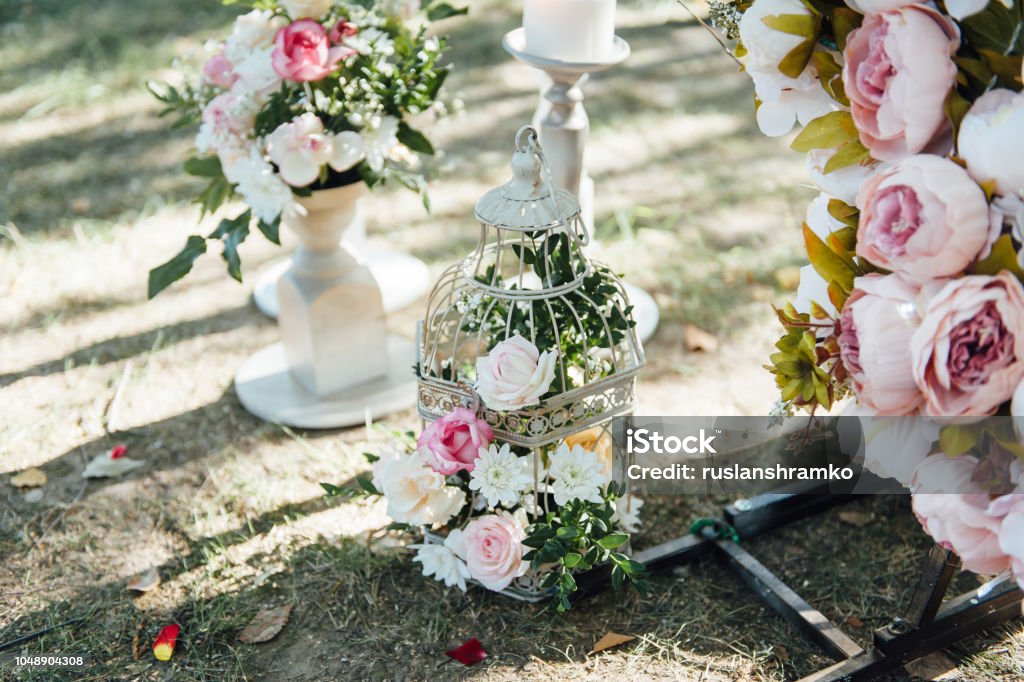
(403, 279)
(336, 362)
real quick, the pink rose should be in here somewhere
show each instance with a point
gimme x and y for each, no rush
(453, 442)
(924, 218)
(897, 72)
(514, 374)
(492, 547)
(877, 323)
(303, 52)
(218, 70)
(958, 513)
(968, 353)
(341, 30)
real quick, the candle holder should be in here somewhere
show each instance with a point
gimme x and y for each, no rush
(564, 127)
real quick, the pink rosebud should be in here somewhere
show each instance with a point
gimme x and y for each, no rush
(219, 71)
(924, 218)
(877, 323)
(302, 52)
(341, 30)
(898, 71)
(968, 354)
(453, 442)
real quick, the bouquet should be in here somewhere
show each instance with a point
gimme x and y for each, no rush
(912, 304)
(305, 95)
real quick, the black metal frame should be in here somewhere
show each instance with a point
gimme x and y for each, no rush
(930, 623)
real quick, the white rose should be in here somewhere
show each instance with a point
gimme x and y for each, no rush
(415, 493)
(842, 183)
(783, 99)
(991, 140)
(514, 374)
(300, 9)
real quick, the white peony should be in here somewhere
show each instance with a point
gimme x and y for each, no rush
(500, 475)
(991, 140)
(441, 562)
(261, 188)
(627, 513)
(961, 9)
(576, 475)
(252, 31)
(842, 183)
(415, 493)
(378, 139)
(301, 9)
(514, 374)
(783, 99)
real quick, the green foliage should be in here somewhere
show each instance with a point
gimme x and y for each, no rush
(577, 537)
(808, 26)
(177, 267)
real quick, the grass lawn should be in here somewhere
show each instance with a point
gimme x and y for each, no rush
(693, 203)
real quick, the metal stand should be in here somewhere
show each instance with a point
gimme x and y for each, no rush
(564, 128)
(930, 623)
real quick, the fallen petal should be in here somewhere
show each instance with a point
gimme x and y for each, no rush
(118, 451)
(145, 581)
(102, 466)
(265, 626)
(29, 478)
(469, 652)
(163, 647)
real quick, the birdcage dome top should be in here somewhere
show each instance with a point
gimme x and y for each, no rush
(528, 201)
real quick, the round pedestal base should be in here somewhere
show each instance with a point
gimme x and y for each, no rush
(266, 388)
(403, 280)
(645, 312)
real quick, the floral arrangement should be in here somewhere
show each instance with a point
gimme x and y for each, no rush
(503, 515)
(306, 95)
(912, 304)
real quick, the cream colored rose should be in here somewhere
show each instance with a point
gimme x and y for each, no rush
(416, 494)
(514, 374)
(312, 9)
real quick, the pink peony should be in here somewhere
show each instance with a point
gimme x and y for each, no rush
(303, 52)
(453, 442)
(877, 323)
(897, 72)
(218, 70)
(492, 547)
(958, 513)
(923, 217)
(968, 353)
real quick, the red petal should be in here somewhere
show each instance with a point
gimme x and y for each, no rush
(471, 651)
(163, 647)
(119, 451)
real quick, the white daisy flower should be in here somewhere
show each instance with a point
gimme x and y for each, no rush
(500, 475)
(577, 475)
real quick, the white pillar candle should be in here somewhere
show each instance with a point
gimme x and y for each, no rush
(570, 30)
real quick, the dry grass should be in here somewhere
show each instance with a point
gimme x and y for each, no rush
(693, 203)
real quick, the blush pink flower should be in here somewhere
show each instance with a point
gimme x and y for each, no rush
(342, 30)
(1011, 536)
(453, 442)
(492, 547)
(219, 71)
(968, 354)
(303, 52)
(514, 374)
(898, 70)
(958, 513)
(923, 217)
(877, 322)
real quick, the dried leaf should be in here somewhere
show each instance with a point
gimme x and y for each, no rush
(30, 478)
(854, 518)
(265, 626)
(145, 581)
(854, 622)
(696, 339)
(935, 667)
(469, 652)
(609, 640)
(165, 642)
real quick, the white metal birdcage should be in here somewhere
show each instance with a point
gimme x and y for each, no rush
(529, 275)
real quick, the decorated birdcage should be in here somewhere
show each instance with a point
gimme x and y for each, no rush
(530, 277)
(537, 343)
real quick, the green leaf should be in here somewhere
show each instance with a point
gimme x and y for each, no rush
(204, 167)
(332, 490)
(826, 262)
(613, 540)
(956, 440)
(414, 139)
(806, 25)
(571, 559)
(955, 107)
(618, 578)
(851, 153)
(367, 485)
(442, 10)
(844, 20)
(568, 533)
(271, 230)
(830, 74)
(216, 193)
(1003, 257)
(177, 267)
(1006, 67)
(568, 583)
(830, 131)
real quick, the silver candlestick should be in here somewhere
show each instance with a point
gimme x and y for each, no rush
(564, 127)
